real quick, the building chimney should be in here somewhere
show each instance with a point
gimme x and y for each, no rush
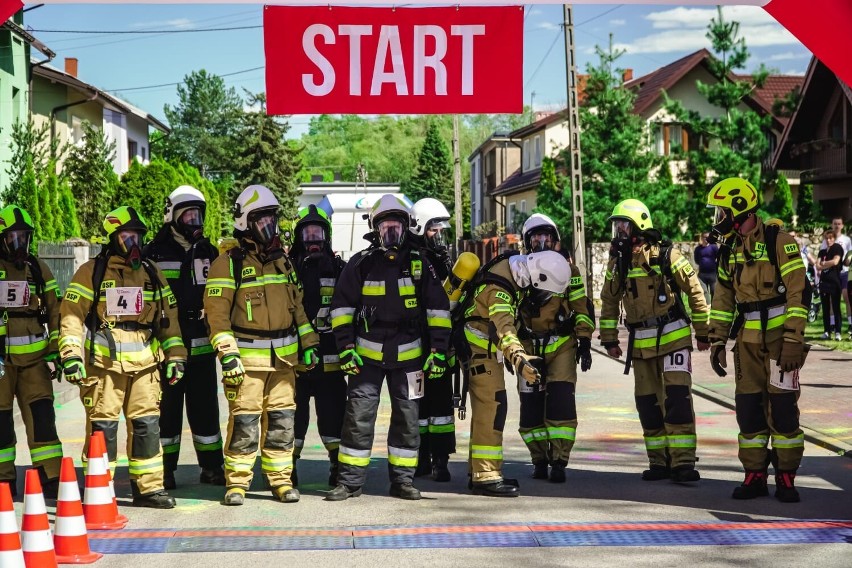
(71, 66)
(627, 75)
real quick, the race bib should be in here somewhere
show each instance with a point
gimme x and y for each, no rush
(785, 381)
(14, 294)
(416, 380)
(200, 270)
(678, 361)
(124, 301)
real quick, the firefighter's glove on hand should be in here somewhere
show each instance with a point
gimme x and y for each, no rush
(718, 358)
(350, 362)
(791, 355)
(702, 342)
(310, 358)
(75, 372)
(613, 350)
(527, 366)
(233, 371)
(175, 370)
(435, 366)
(52, 360)
(584, 353)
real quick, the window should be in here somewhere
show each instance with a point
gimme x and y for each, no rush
(132, 150)
(511, 212)
(526, 151)
(537, 145)
(523, 207)
(144, 154)
(670, 138)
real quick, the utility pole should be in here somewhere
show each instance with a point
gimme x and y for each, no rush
(575, 171)
(457, 195)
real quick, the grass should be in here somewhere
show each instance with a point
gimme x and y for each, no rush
(813, 334)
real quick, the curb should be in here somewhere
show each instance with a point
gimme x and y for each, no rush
(811, 435)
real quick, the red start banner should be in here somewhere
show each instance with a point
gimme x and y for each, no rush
(324, 60)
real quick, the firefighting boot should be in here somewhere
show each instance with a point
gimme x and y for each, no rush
(754, 485)
(685, 473)
(785, 491)
(656, 473)
(540, 470)
(440, 471)
(286, 494)
(214, 476)
(496, 489)
(343, 492)
(405, 491)
(557, 471)
(158, 500)
(169, 482)
(333, 468)
(235, 496)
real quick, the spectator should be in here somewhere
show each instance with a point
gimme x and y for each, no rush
(846, 243)
(829, 265)
(807, 256)
(706, 257)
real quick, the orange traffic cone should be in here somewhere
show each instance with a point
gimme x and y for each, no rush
(36, 539)
(99, 507)
(118, 516)
(11, 555)
(70, 539)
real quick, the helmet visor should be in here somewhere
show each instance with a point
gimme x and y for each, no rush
(265, 226)
(126, 240)
(622, 229)
(390, 232)
(192, 217)
(542, 240)
(437, 234)
(18, 241)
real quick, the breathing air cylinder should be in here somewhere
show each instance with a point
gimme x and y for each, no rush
(463, 272)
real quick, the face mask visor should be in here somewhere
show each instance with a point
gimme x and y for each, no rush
(191, 223)
(313, 237)
(437, 234)
(542, 241)
(391, 232)
(723, 221)
(265, 227)
(18, 243)
(622, 229)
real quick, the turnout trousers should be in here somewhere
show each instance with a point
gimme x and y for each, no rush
(261, 413)
(328, 390)
(548, 421)
(437, 424)
(663, 392)
(765, 412)
(34, 390)
(360, 422)
(488, 406)
(138, 396)
(199, 388)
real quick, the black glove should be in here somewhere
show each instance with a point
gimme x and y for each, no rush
(718, 358)
(584, 353)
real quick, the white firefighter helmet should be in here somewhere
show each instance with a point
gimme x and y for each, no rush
(539, 223)
(254, 198)
(549, 271)
(428, 210)
(181, 198)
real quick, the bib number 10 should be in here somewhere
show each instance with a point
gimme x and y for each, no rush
(678, 361)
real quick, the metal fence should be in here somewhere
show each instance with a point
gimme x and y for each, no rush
(62, 261)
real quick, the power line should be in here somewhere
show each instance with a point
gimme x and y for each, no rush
(124, 32)
(181, 82)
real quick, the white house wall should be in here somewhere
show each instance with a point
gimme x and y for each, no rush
(556, 139)
(115, 132)
(137, 131)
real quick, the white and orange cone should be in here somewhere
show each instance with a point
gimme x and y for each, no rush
(99, 506)
(36, 538)
(70, 540)
(119, 517)
(11, 554)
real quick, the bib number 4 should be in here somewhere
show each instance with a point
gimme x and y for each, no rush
(124, 301)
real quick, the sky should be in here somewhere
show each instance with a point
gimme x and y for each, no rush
(144, 69)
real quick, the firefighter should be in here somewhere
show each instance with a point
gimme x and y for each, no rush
(28, 347)
(491, 332)
(766, 286)
(259, 328)
(558, 328)
(388, 299)
(647, 275)
(184, 254)
(118, 313)
(437, 426)
(318, 269)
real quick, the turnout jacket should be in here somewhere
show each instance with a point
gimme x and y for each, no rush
(318, 275)
(659, 327)
(186, 272)
(748, 282)
(29, 328)
(257, 314)
(490, 321)
(387, 308)
(132, 324)
(549, 326)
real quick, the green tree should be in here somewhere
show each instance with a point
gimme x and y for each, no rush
(92, 179)
(735, 141)
(204, 124)
(808, 212)
(67, 224)
(434, 174)
(552, 199)
(781, 205)
(617, 162)
(263, 156)
(145, 188)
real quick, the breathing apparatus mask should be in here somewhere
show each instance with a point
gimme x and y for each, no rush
(391, 234)
(545, 239)
(313, 239)
(16, 246)
(190, 224)
(263, 226)
(436, 234)
(128, 244)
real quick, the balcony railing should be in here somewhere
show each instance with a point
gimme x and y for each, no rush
(824, 159)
